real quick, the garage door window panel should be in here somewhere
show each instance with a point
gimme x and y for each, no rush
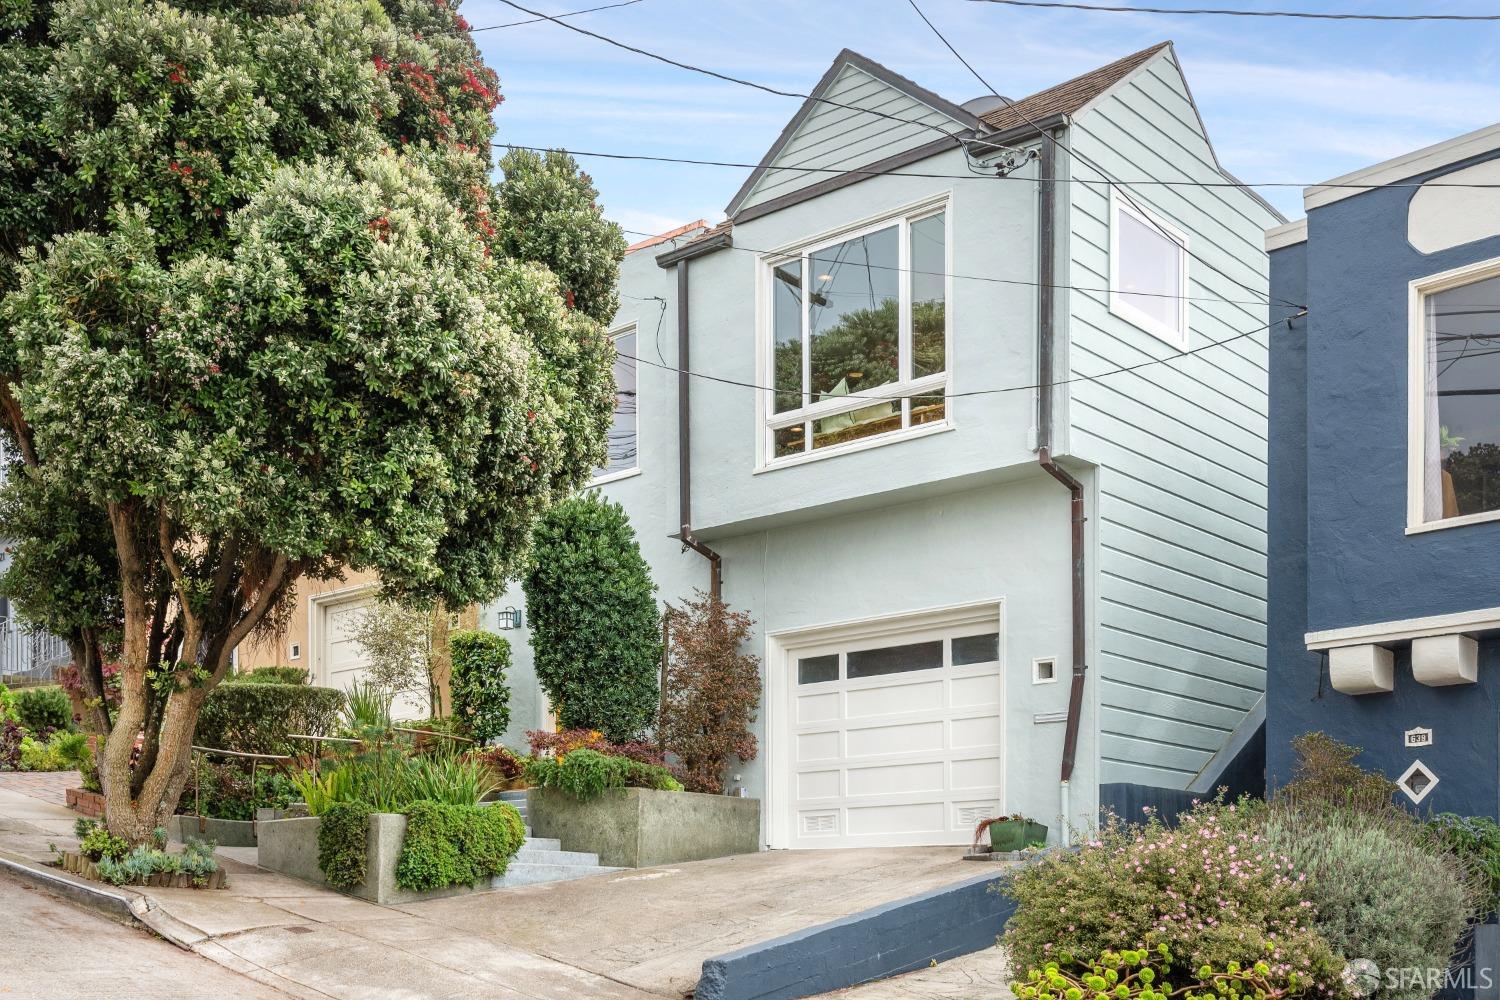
(885, 660)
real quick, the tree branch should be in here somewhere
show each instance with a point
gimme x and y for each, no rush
(169, 556)
(18, 425)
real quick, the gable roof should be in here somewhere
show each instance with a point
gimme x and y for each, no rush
(847, 58)
(1071, 95)
(671, 234)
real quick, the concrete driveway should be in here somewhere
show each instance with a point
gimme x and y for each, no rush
(630, 935)
(652, 928)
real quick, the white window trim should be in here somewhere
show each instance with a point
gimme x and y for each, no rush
(782, 646)
(1416, 391)
(767, 420)
(1119, 305)
(605, 478)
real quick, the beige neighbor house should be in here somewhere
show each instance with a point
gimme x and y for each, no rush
(320, 639)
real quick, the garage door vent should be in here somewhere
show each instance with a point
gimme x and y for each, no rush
(971, 816)
(820, 823)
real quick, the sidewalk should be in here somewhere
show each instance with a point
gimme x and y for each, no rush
(625, 936)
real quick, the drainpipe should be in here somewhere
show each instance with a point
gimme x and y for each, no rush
(1046, 315)
(685, 440)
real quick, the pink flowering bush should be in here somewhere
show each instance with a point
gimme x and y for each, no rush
(1210, 889)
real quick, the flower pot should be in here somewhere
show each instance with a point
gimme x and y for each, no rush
(1015, 834)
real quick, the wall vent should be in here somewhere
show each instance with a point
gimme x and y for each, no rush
(820, 823)
(970, 817)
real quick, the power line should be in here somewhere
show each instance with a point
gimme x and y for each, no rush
(999, 281)
(1143, 182)
(538, 20)
(1227, 12)
(730, 79)
(1048, 136)
(895, 397)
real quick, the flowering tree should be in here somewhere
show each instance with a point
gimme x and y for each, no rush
(264, 316)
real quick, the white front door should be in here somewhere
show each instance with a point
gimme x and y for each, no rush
(895, 739)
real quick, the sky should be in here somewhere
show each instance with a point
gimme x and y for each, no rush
(1283, 99)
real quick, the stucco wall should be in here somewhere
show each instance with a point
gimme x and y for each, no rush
(1362, 566)
(1340, 555)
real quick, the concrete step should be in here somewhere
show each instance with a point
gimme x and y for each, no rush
(538, 856)
(525, 873)
(542, 843)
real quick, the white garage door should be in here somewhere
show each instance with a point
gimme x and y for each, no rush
(895, 740)
(342, 661)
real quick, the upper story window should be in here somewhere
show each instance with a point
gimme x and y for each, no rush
(1455, 398)
(624, 428)
(859, 336)
(1148, 272)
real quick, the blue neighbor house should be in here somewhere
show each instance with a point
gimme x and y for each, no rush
(1384, 599)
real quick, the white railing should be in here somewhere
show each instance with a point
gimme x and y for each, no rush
(29, 655)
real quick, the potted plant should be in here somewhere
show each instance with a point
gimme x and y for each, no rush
(1012, 833)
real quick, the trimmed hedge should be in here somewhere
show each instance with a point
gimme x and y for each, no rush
(457, 845)
(257, 718)
(481, 699)
(270, 675)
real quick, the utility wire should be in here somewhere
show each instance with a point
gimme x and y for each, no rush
(731, 79)
(1048, 136)
(1145, 182)
(993, 280)
(893, 397)
(1227, 12)
(537, 20)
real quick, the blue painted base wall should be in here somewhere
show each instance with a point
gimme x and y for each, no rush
(1464, 719)
(884, 941)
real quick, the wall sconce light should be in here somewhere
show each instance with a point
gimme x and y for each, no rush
(510, 618)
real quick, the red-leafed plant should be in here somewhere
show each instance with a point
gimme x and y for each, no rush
(560, 743)
(711, 691)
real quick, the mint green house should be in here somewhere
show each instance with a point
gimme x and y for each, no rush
(863, 462)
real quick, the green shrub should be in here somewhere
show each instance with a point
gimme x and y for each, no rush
(367, 708)
(481, 699)
(43, 708)
(222, 789)
(343, 844)
(255, 717)
(1207, 889)
(1378, 888)
(1477, 840)
(7, 705)
(270, 675)
(586, 774)
(450, 779)
(1146, 975)
(448, 845)
(1326, 777)
(97, 843)
(62, 751)
(596, 634)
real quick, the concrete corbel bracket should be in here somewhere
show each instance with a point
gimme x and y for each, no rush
(1363, 669)
(1441, 660)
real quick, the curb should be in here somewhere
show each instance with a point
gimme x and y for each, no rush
(122, 907)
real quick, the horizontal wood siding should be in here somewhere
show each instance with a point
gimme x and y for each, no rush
(1181, 445)
(840, 138)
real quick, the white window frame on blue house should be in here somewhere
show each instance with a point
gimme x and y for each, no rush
(769, 421)
(1119, 302)
(615, 475)
(1416, 393)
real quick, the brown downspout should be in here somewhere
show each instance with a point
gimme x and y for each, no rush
(685, 440)
(1046, 316)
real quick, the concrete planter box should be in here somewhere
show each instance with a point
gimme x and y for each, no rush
(643, 828)
(225, 832)
(290, 846)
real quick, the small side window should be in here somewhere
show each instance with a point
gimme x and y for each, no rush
(1148, 272)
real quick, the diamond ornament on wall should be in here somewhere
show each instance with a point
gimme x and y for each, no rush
(1417, 782)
